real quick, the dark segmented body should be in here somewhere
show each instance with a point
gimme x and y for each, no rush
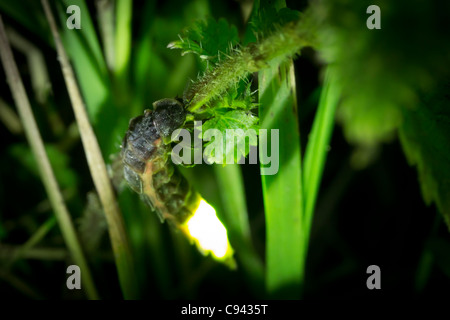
(147, 165)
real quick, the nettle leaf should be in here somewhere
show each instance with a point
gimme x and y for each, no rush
(231, 144)
(210, 39)
(382, 71)
(425, 137)
(238, 97)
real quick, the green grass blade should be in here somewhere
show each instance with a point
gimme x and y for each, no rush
(317, 148)
(233, 198)
(86, 56)
(232, 191)
(426, 260)
(97, 167)
(105, 16)
(25, 13)
(123, 35)
(283, 191)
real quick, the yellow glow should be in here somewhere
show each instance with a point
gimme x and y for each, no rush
(208, 232)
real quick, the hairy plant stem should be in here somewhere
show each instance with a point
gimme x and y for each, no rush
(283, 43)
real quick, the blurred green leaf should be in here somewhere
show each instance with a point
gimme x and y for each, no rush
(30, 15)
(65, 176)
(439, 249)
(92, 225)
(122, 39)
(425, 138)
(269, 18)
(382, 71)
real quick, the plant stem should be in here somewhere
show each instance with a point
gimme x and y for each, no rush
(6, 251)
(317, 149)
(47, 174)
(280, 45)
(38, 70)
(10, 118)
(33, 240)
(116, 228)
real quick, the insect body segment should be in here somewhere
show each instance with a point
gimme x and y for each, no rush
(149, 171)
(147, 167)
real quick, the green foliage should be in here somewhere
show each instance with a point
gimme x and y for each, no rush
(380, 78)
(214, 42)
(281, 43)
(84, 49)
(238, 120)
(424, 134)
(384, 75)
(237, 97)
(383, 71)
(316, 149)
(22, 12)
(283, 206)
(268, 19)
(211, 40)
(59, 161)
